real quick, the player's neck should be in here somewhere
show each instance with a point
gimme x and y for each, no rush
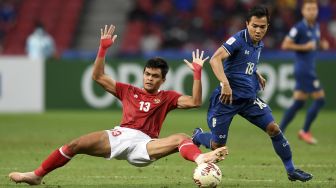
(311, 23)
(150, 92)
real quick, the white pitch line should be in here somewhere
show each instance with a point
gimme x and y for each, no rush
(247, 180)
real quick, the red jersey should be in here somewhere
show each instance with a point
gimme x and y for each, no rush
(144, 111)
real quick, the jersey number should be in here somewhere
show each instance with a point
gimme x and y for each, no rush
(249, 68)
(115, 132)
(144, 106)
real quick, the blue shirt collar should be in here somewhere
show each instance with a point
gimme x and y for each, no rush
(248, 39)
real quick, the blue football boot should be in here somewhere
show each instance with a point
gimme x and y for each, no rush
(196, 132)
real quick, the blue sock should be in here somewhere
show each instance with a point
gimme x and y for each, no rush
(312, 113)
(204, 139)
(290, 113)
(282, 148)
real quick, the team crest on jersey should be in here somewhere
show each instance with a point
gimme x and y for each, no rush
(156, 101)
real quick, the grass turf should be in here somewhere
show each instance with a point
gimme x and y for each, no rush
(26, 139)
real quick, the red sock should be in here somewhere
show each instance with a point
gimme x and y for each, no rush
(189, 150)
(55, 160)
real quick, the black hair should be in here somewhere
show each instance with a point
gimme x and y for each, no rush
(258, 11)
(160, 63)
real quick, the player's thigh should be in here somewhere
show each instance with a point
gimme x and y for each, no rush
(95, 144)
(219, 121)
(258, 113)
(318, 94)
(162, 147)
(300, 95)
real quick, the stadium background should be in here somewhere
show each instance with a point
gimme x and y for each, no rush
(61, 91)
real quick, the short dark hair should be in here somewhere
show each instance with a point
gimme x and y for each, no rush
(258, 11)
(160, 63)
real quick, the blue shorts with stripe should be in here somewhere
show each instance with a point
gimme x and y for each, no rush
(220, 115)
(307, 82)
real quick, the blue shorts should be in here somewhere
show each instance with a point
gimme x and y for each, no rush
(307, 82)
(220, 115)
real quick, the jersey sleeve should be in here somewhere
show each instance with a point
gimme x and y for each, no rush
(173, 97)
(121, 89)
(231, 45)
(293, 33)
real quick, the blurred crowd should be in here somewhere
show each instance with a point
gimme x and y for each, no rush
(184, 24)
(206, 24)
(8, 9)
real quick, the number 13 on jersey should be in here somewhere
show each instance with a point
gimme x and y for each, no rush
(144, 106)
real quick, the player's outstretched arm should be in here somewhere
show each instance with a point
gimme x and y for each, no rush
(289, 44)
(195, 100)
(106, 40)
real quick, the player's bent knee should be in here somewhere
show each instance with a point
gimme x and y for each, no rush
(273, 129)
(75, 146)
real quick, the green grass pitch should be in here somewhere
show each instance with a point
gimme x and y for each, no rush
(26, 139)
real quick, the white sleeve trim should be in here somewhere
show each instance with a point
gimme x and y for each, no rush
(226, 50)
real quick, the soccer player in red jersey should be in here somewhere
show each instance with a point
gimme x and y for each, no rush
(144, 110)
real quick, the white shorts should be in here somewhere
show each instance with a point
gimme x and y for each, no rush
(129, 144)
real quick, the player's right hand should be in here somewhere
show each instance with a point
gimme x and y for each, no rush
(226, 94)
(106, 39)
(311, 45)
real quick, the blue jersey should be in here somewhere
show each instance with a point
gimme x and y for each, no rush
(240, 67)
(302, 33)
(304, 67)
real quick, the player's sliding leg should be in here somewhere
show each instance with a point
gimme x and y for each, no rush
(180, 142)
(95, 144)
(191, 152)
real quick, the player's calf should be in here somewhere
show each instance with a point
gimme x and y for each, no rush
(28, 177)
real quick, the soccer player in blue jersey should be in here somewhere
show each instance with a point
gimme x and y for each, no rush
(304, 39)
(235, 66)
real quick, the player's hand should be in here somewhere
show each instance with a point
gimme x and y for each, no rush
(197, 59)
(262, 81)
(324, 44)
(106, 39)
(226, 94)
(311, 45)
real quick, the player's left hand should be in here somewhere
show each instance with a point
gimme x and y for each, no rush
(197, 59)
(106, 39)
(262, 81)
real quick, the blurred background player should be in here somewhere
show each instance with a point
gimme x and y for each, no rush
(144, 110)
(305, 39)
(235, 66)
(40, 45)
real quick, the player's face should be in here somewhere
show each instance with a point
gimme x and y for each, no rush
(152, 79)
(257, 28)
(310, 11)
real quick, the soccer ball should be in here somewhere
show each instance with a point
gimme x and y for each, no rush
(207, 175)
